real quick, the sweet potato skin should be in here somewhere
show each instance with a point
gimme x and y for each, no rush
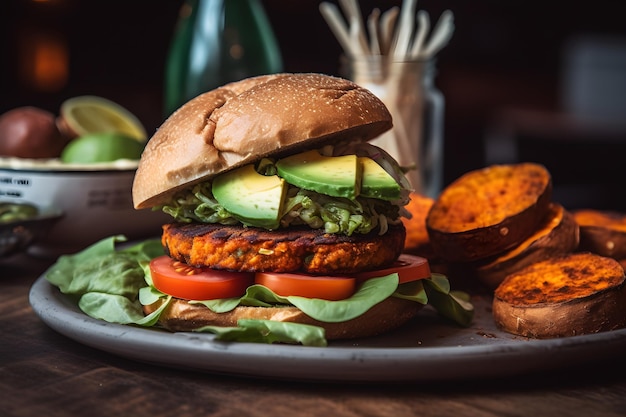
(602, 232)
(577, 293)
(488, 211)
(557, 235)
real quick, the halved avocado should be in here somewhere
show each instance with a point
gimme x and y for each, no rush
(336, 176)
(252, 198)
(376, 182)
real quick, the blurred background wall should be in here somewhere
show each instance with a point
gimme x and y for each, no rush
(517, 75)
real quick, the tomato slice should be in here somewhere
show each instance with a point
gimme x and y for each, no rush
(409, 268)
(309, 286)
(183, 281)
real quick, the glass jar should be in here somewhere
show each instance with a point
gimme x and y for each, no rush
(408, 90)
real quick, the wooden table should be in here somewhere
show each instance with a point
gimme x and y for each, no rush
(43, 373)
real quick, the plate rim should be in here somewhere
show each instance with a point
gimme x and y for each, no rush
(200, 352)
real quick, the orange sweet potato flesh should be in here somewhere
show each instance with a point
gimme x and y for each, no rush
(577, 293)
(557, 235)
(602, 232)
(488, 211)
(417, 241)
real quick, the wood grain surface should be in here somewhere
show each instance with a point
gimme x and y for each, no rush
(43, 373)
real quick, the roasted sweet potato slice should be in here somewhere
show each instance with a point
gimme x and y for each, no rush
(417, 241)
(602, 232)
(557, 235)
(488, 211)
(577, 293)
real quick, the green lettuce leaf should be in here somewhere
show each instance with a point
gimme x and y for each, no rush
(372, 292)
(454, 305)
(106, 282)
(267, 331)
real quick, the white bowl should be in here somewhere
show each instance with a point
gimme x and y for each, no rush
(95, 199)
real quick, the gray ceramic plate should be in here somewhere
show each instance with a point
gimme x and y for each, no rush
(428, 349)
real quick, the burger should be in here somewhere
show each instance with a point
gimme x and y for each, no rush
(286, 222)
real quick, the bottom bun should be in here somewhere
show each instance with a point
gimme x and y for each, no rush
(387, 315)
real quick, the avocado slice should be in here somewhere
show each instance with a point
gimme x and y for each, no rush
(336, 176)
(252, 198)
(377, 183)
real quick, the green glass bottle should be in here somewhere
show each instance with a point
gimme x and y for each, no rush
(216, 42)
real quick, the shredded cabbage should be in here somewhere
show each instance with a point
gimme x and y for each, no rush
(304, 207)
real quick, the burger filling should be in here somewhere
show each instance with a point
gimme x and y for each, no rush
(345, 189)
(114, 284)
